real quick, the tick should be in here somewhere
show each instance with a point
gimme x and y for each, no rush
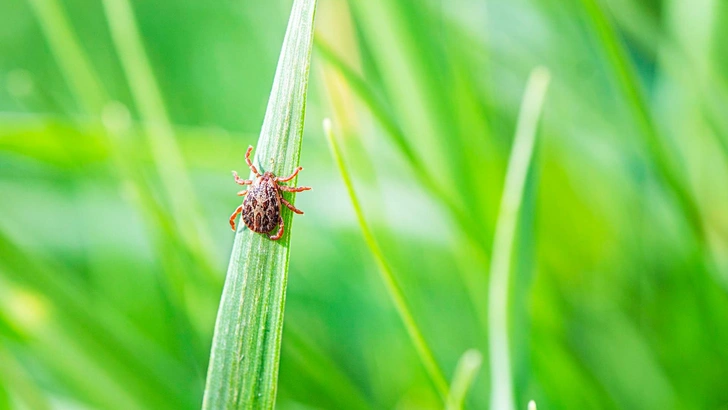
(261, 207)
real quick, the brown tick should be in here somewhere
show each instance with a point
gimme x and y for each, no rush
(261, 207)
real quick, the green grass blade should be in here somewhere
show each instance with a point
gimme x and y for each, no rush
(518, 165)
(16, 379)
(75, 66)
(629, 85)
(91, 96)
(373, 102)
(317, 366)
(390, 281)
(148, 98)
(478, 259)
(246, 347)
(130, 351)
(391, 128)
(465, 372)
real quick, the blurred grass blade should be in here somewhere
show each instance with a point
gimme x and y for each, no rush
(663, 158)
(475, 241)
(243, 369)
(311, 361)
(14, 377)
(114, 339)
(75, 66)
(393, 287)
(465, 372)
(392, 130)
(91, 96)
(518, 165)
(373, 102)
(148, 98)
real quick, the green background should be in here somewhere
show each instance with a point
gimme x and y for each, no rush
(620, 273)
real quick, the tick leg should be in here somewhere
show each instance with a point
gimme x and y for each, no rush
(241, 181)
(278, 234)
(237, 212)
(250, 163)
(241, 193)
(293, 188)
(290, 177)
(291, 207)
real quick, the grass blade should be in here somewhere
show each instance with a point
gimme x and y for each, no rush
(392, 285)
(167, 156)
(465, 372)
(626, 78)
(317, 366)
(130, 351)
(246, 347)
(518, 165)
(77, 70)
(14, 377)
(372, 101)
(395, 133)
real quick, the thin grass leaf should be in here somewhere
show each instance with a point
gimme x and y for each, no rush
(465, 372)
(373, 102)
(15, 378)
(518, 165)
(75, 66)
(473, 237)
(317, 366)
(628, 82)
(91, 96)
(246, 347)
(160, 134)
(394, 289)
(111, 336)
(380, 112)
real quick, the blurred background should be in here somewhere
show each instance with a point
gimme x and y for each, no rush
(121, 120)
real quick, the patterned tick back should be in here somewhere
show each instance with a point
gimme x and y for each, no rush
(262, 205)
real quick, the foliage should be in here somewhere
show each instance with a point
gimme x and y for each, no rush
(110, 276)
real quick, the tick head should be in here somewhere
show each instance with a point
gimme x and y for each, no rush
(267, 176)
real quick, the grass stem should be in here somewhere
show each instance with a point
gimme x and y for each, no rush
(394, 289)
(511, 201)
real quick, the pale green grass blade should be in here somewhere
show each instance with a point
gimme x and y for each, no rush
(395, 133)
(128, 351)
(75, 66)
(394, 289)
(160, 134)
(373, 102)
(83, 80)
(475, 243)
(243, 369)
(14, 376)
(465, 372)
(518, 166)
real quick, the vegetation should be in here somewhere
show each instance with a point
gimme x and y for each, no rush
(120, 121)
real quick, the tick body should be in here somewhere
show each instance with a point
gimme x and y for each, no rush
(261, 207)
